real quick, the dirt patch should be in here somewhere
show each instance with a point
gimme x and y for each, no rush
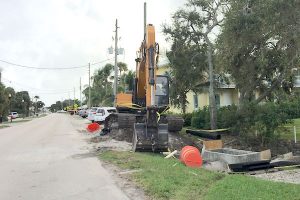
(125, 182)
(288, 176)
(84, 155)
(178, 141)
(102, 143)
(122, 134)
(112, 144)
(82, 131)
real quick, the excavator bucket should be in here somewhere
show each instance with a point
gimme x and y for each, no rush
(150, 139)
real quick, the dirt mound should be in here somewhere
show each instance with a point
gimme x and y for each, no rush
(121, 134)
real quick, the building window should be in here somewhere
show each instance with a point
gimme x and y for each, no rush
(217, 99)
(196, 105)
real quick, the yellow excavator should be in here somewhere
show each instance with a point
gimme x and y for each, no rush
(143, 111)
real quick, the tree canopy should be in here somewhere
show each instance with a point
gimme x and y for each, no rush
(192, 34)
(259, 46)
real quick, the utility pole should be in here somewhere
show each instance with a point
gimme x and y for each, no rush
(145, 18)
(0, 74)
(69, 102)
(74, 99)
(116, 65)
(80, 93)
(89, 103)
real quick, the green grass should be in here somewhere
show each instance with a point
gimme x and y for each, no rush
(169, 179)
(244, 187)
(17, 121)
(22, 120)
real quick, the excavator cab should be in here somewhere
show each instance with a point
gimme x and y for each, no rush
(162, 91)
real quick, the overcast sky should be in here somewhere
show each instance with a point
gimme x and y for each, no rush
(70, 33)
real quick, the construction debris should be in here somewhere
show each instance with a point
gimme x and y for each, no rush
(191, 157)
(213, 144)
(205, 134)
(171, 154)
(250, 166)
(265, 155)
(230, 156)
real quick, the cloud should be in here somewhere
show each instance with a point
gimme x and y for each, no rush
(65, 33)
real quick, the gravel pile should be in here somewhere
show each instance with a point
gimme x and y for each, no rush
(287, 176)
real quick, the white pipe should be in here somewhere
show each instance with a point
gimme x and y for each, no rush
(295, 134)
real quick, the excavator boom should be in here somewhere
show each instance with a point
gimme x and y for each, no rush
(142, 112)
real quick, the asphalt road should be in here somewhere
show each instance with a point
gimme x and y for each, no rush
(47, 159)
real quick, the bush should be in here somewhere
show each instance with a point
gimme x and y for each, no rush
(200, 119)
(291, 108)
(187, 119)
(260, 122)
(226, 116)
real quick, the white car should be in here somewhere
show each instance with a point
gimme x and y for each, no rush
(102, 113)
(14, 115)
(91, 113)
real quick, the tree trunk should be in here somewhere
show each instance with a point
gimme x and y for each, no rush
(241, 100)
(183, 104)
(212, 98)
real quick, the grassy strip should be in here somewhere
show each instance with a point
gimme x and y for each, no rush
(245, 187)
(168, 179)
(3, 126)
(16, 121)
(20, 121)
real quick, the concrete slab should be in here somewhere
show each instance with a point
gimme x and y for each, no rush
(230, 156)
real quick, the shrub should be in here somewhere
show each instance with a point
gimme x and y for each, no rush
(226, 116)
(260, 122)
(200, 119)
(187, 119)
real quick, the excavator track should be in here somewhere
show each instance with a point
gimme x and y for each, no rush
(175, 123)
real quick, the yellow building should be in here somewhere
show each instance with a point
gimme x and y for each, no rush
(225, 94)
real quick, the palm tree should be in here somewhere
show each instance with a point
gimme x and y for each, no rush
(36, 98)
(122, 67)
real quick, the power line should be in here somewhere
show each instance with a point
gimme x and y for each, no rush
(41, 91)
(52, 68)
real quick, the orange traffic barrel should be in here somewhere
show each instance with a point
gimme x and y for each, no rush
(191, 157)
(93, 127)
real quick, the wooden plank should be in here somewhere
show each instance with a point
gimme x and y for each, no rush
(213, 144)
(265, 155)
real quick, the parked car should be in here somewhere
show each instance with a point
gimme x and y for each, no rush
(61, 111)
(102, 113)
(14, 115)
(82, 113)
(85, 113)
(92, 113)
